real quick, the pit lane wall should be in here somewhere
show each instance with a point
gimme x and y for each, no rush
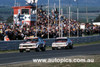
(13, 45)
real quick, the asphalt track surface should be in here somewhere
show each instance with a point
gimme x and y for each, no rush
(27, 56)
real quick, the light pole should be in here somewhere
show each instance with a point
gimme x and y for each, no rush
(36, 19)
(48, 19)
(59, 18)
(77, 10)
(61, 23)
(15, 3)
(69, 18)
(69, 21)
(67, 10)
(77, 18)
(54, 6)
(86, 12)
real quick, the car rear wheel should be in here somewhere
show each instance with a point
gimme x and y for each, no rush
(21, 51)
(71, 46)
(43, 49)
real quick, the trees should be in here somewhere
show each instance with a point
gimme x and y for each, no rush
(1, 18)
(9, 19)
(97, 19)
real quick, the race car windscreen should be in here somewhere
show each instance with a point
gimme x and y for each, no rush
(33, 40)
(60, 40)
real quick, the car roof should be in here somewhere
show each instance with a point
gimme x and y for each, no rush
(62, 38)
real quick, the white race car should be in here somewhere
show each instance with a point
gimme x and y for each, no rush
(32, 43)
(62, 42)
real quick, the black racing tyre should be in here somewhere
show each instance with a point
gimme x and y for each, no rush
(66, 47)
(27, 51)
(43, 49)
(37, 49)
(71, 46)
(53, 48)
(21, 51)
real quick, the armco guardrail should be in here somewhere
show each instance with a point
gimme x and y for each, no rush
(13, 45)
(10, 45)
(77, 40)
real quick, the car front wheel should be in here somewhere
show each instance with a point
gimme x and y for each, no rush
(37, 49)
(53, 48)
(43, 49)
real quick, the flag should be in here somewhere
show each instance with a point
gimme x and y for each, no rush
(19, 17)
(36, 1)
(28, 1)
(31, 1)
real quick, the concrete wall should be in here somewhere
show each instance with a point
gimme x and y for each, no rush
(13, 45)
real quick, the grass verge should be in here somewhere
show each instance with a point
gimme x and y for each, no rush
(8, 51)
(89, 43)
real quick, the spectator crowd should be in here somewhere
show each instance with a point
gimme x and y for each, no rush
(18, 32)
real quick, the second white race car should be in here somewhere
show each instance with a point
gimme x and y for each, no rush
(62, 42)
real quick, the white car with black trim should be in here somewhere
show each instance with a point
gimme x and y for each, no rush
(32, 43)
(62, 42)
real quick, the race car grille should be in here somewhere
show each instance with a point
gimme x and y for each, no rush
(59, 44)
(27, 45)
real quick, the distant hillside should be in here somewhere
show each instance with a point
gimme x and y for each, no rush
(93, 7)
(5, 12)
(93, 12)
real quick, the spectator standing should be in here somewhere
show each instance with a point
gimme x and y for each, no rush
(6, 38)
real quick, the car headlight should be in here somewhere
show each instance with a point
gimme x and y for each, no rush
(53, 43)
(20, 45)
